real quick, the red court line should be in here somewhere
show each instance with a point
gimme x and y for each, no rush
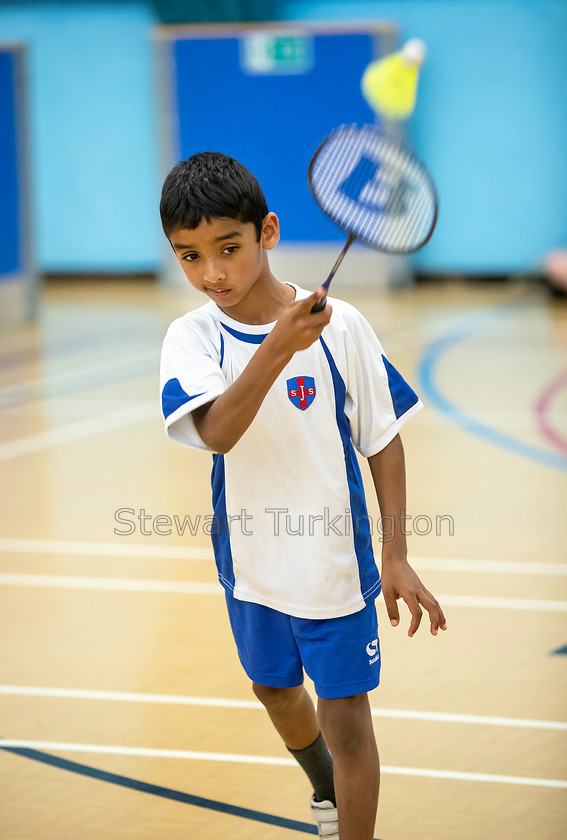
(542, 409)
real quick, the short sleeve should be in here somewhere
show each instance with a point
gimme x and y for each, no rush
(379, 400)
(190, 376)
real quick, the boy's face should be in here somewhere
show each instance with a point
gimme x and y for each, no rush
(223, 258)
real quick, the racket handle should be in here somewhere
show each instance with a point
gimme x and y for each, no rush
(321, 304)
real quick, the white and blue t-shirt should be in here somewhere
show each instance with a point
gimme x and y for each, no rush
(291, 529)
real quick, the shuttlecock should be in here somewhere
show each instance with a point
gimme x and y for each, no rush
(389, 85)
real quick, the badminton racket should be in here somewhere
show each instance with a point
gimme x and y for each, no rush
(373, 187)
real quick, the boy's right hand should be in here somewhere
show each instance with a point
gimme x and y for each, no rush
(222, 422)
(298, 327)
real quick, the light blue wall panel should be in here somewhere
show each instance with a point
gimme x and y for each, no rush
(94, 135)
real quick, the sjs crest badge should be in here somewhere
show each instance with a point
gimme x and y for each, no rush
(301, 391)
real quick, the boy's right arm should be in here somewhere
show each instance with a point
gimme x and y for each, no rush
(222, 422)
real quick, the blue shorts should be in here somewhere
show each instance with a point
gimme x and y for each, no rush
(341, 655)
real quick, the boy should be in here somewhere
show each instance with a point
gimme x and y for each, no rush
(280, 394)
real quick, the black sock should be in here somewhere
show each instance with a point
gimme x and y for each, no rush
(316, 761)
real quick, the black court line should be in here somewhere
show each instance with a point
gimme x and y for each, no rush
(165, 793)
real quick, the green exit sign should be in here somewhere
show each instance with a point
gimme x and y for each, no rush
(265, 53)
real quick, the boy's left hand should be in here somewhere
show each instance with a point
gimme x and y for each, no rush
(400, 581)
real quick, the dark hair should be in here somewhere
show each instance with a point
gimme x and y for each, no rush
(210, 185)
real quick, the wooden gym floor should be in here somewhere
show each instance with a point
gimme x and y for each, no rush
(124, 712)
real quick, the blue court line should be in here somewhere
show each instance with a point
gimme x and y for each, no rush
(157, 790)
(165, 793)
(562, 651)
(427, 376)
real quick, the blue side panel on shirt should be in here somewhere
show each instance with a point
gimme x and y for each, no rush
(173, 396)
(369, 577)
(220, 533)
(248, 337)
(402, 395)
(221, 349)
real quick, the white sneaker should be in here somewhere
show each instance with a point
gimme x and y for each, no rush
(325, 815)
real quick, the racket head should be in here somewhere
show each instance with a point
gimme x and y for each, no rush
(371, 184)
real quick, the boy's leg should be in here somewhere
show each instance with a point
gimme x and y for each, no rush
(256, 630)
(347, 727)
(293, 715)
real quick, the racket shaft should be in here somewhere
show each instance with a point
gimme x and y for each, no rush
(323, 302)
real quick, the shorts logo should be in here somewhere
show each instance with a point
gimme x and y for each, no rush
(372, 648)
(301, 391)
(372, 651)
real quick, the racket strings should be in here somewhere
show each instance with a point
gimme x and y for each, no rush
(371, 185)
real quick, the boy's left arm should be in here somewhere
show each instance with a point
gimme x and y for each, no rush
(398, 578)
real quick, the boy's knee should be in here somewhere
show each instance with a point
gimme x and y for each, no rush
(345, 723)
(277, 699)
(345, 708)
